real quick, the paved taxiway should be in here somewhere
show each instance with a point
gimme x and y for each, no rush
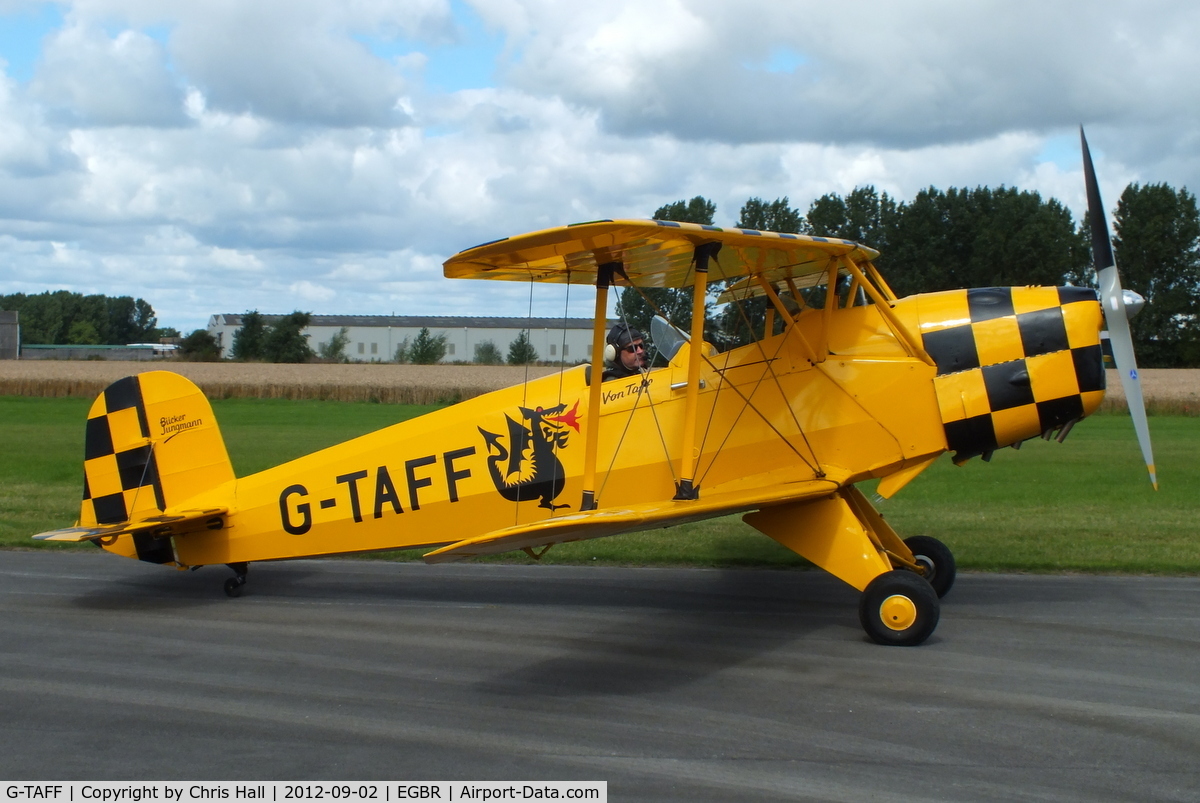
(668, 684)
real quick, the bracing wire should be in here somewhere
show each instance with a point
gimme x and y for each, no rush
(712, 412)
(142, 482)
(645, 392)
(562, 348)
(783, 395)
(524, 386)
(528, 335)
(746, 401)
(768, 368)
(650, 400)
(561, 370)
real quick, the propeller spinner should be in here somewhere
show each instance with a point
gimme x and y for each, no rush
(1114, 301)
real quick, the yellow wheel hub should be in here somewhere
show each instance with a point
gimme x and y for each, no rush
(898, 612)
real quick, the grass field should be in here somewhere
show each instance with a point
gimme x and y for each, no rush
(1085, 505)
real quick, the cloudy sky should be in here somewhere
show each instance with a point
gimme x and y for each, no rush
(223, 155)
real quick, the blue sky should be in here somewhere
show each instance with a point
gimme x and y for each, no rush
(1062, 151)
(22, 30)
(218, 157)
(779, 59)
(467, 62)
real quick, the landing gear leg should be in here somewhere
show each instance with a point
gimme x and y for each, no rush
(233, 586)
(848, 538)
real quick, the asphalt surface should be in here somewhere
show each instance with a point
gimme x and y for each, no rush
(668, 684)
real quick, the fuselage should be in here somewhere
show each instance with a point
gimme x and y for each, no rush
(836, 395)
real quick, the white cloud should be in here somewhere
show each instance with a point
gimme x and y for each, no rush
(889, 74)
(101, 80)
(30, 148)
(311, 292)
(224, 156)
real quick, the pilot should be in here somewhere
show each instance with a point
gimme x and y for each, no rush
(625, 354)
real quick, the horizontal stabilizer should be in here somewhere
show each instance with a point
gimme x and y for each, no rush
(628, 519)
(161, 526)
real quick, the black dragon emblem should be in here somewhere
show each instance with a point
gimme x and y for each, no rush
(528, 467)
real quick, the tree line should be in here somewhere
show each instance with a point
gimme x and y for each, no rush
(63, 318)
(982, 237)
(940, 240)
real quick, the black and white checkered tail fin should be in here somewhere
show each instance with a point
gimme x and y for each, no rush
(152, 446)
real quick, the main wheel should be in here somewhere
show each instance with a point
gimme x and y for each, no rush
(937, 559)
(233, 586)
(899, 608)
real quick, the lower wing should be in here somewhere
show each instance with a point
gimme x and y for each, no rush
(631, 518)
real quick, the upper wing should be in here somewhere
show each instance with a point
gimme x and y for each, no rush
(160, 526)
(617, 520)
(652, 253)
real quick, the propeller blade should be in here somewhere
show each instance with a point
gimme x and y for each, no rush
(1113, 299)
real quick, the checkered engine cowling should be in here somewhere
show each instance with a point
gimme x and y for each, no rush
(1012, 362)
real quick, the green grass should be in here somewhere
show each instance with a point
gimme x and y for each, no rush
(1085, 505)
(41, 449)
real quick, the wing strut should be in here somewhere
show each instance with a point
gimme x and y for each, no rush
(885, 309)
(604, 277)
(686, 489)
(878, 281)
(788, 321)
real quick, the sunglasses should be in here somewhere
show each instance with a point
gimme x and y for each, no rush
(633, 347)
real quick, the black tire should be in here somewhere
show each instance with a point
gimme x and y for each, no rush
(233, 587)
(938, 560)
(899, 608)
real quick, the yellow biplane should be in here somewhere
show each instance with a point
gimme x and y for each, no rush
(845, 383)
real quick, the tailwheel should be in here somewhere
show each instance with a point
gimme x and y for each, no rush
(233, 586)
(937, 560)
(899, 608)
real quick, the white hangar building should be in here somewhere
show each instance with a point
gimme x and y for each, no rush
(376, 337)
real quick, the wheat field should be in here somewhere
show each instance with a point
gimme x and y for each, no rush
(377, 382)
(1168, 391)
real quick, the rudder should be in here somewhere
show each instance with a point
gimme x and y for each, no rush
(152, 444)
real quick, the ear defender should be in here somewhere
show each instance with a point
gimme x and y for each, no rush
(610, 352)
